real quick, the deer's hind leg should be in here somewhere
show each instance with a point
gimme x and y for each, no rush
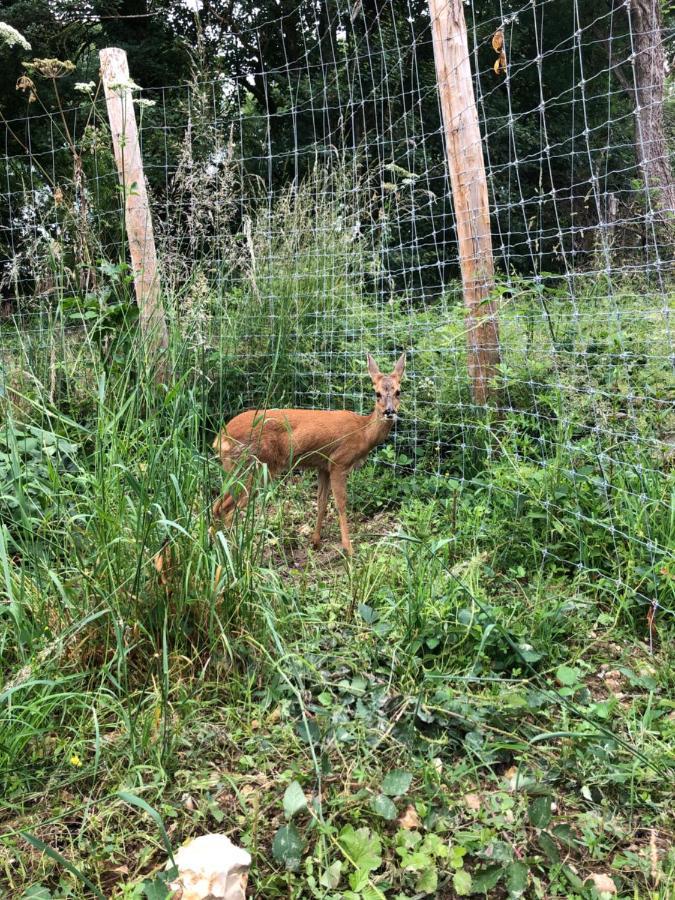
(322, 503)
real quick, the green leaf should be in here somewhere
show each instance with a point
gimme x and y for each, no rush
(486, 879)
(516, 878)
(528, 653)
(381, 805)
(462, 883)
(417, 861)
(157, 889)
(358, 880)
(406, 840)
(576, 882)
(457, 854)
(436, 846)
(215, 811)
(567, 675)
(428, 881)
(37, 892)
(371, 892)
(396, 782)
(565, 834)
(500, 851)
(362, 848)
(539, 812)
(308, 731)
(367, 613)
(358, 685)
(287, 847)
(549, 847)
(331, 877)
(294, 800)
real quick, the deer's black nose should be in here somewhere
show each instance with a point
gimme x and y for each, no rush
(389, 411)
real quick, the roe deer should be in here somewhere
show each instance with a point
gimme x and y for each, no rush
(332, 441)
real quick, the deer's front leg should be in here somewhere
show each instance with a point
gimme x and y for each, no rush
(338, 483)
(322, 503)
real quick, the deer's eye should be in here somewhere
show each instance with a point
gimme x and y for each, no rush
(378, 395)
(397, 394)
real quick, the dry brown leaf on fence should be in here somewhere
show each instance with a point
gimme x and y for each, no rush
(498, 46)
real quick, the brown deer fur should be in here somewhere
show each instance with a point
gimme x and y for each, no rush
(331, 441)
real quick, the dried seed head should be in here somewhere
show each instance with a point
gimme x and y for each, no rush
(50, 68)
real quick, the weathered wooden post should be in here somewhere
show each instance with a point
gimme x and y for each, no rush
(138, 221)
(469, 190)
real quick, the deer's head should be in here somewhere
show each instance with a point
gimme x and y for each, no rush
(387, 388)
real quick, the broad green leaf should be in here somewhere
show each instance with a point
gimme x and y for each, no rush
(457, 854)
(371, 892)
(367, 613)
(157, 889)
(500, 851)
(567, 675)
(417, 861)
(308, 731)
(549, 847)
(462, 883)
(362, 848)
(573, 878)
(436, 846)
(427, 881)
(486, 879)
(37, 892)
(287, 847)
(539, 812)
(528, 653)
(383, 806)
(294, 800)
(331, 877)
(396, 782)
(359, 879)
(565, 834)
(516, 878)
(406, 840)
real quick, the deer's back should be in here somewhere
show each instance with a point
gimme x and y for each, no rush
(303, 437)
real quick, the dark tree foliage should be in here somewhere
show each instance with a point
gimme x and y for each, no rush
(314, 82)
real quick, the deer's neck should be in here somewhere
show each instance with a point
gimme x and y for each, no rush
(378, 428)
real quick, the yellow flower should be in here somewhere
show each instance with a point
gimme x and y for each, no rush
(75, 761)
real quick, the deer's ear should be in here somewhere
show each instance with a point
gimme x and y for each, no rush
(373, 369)
(399, 368)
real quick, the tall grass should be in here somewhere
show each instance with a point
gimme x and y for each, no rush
(134, 642)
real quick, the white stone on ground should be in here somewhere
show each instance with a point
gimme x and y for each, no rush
(211, 867)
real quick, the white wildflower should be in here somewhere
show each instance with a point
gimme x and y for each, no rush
(144, 102)
(85, 87)
(122, 87)
(9, 37)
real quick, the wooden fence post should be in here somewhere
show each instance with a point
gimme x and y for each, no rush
(466, 167)
(119, 100)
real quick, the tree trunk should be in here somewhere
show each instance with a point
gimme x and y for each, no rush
(651, 146)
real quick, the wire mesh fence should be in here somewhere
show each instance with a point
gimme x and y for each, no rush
(304, 218)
